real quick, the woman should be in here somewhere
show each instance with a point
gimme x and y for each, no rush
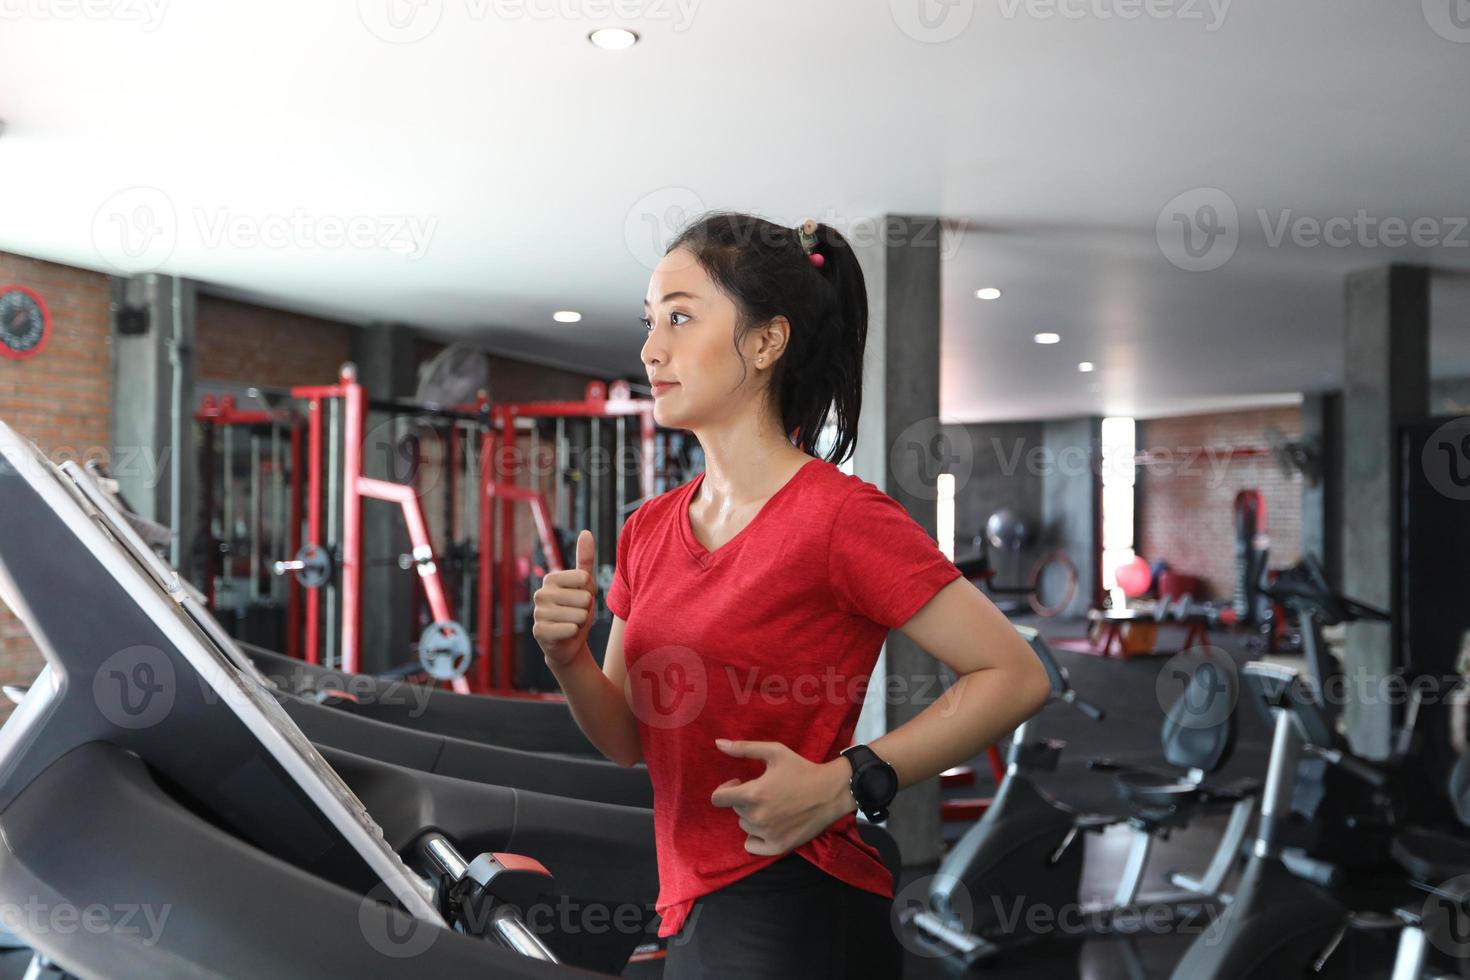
(750, 605)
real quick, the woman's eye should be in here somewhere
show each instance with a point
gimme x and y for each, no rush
(648, 322)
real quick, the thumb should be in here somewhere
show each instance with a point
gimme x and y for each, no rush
(587, 555)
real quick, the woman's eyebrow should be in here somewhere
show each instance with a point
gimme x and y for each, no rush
(678, 294)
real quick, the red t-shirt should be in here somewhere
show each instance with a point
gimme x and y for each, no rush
(771, 637)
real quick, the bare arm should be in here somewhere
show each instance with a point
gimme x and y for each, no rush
(1001, 684)
(563, 618)
(597, 700)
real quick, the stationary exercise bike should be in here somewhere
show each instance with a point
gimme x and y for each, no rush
(1286, 917)
(1022, 863)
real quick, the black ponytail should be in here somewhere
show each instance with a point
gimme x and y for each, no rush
(765, 271)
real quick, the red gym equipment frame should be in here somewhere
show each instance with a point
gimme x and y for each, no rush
(494, 669)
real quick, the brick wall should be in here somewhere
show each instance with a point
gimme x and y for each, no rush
(1185, 514)
(237, 341)
(61, 399)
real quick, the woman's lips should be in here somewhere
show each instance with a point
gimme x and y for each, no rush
(663, 386)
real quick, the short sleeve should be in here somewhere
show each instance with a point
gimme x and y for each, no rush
(882, 564)
(620, 593)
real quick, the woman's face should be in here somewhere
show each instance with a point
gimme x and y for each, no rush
(691, 343)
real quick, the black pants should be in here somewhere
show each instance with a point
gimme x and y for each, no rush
(788, 921)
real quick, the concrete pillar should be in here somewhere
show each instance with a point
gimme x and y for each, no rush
(153, 456)
(386, 367)
(1386, 384)
(1322, 504)
(897, 452)
(1071, 500)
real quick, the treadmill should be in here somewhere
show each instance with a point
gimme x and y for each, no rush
(529, 724)
(162, 815)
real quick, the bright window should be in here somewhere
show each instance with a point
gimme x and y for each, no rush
(1119, 445)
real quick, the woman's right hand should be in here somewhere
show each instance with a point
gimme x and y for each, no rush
(563, 606)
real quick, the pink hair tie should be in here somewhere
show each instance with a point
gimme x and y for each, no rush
(817, 259)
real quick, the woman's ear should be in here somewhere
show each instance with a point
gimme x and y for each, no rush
(773, 339)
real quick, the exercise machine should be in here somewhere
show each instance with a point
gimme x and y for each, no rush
(147, 767)
(1052, 584)
(1326, 818)
(1022, 863)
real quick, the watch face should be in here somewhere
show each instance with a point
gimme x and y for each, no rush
(23, 322)
(878, 783)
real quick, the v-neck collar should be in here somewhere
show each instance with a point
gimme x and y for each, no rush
(698, 551)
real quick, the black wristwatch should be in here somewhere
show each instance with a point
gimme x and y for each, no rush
(874, 784)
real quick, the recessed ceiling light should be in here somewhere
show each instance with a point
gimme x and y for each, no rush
(566, 316)
(1086, 367)
(1048, 338)
(987, 292)
(613, 38)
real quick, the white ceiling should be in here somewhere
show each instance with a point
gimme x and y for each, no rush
(540, 171)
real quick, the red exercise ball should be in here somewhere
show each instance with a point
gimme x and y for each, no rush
(1134, 577)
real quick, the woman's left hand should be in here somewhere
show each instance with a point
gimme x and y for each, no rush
(793, 801)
